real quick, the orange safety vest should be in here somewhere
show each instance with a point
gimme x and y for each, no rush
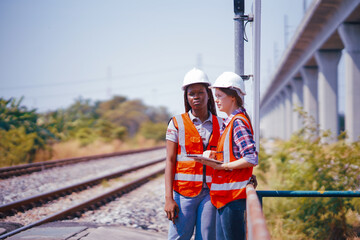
(188, 179)
(228, 186)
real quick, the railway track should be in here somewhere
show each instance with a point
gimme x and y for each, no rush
(18, 170)
(38, 200)
(78, 209)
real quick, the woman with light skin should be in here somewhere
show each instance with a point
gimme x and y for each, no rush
(236, 150)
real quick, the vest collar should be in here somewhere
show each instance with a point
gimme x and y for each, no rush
(230, 117)
(193, 118)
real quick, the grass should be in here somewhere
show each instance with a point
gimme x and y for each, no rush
(270, 181)
(73, 148)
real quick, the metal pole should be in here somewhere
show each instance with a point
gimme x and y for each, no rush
(256, 69)
(262, 194)
(239, 7)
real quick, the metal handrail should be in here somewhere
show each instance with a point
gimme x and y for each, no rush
(255, 220)
(262, 194)
(256, 224)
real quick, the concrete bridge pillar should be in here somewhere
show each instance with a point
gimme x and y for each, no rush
(265, 122)
(328, 61)
(272, 125)
(350, 35)
(279, 124)
(310, 91)
(288, 111)
(268, 122)
(282, 116)
(297, 101)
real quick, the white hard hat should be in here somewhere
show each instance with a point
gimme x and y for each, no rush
(230, 80)
(195, 75)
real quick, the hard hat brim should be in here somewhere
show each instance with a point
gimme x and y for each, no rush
(185, 86)
(236, 89)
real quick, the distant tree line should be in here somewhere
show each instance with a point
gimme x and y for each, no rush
(24, 131)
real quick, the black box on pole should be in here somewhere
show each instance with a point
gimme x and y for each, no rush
(239, 6)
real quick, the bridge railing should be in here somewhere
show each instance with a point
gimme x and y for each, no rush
(256, 224)
(255, 220)
(262, 194)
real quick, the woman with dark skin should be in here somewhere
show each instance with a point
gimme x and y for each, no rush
(187, 183)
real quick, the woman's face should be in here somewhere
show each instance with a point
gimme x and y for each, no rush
(224, 102)
(197, 96)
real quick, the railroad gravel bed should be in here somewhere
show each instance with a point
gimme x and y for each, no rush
(141, 208)
(21, 187)
(38, 213)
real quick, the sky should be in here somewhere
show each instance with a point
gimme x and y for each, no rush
(55, 51)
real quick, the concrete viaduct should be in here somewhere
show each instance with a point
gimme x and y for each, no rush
(307, 74)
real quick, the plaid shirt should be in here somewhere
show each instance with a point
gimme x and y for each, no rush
(243, 142)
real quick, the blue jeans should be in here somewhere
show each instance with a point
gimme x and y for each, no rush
(194, 211)
(230, 221)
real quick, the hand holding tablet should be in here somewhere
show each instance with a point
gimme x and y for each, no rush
(200, 158)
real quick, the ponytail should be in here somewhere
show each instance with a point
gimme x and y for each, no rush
(239, 101)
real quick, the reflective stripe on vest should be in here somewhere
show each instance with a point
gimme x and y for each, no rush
(191, 177)
(182, 158)
(229, 186)
(181, 128)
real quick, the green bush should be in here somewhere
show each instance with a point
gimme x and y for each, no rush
(86, 136)
(105, 129)
(264, 164)
(15, 146)
(15, 116)
(308, 162)
(120, 133)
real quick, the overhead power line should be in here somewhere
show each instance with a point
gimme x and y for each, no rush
(118, 77)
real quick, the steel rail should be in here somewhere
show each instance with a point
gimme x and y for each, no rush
(91, 203)
(38, 200)
(18, 170)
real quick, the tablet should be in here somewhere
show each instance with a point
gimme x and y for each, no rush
(196, 156)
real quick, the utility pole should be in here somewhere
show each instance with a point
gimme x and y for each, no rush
(276, 54)
(286, 31)
(256, 69)
(239, 7)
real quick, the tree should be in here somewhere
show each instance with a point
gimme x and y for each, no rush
(158, 114)
(129, 114)
(82, 108)
(111, 104)
(156, 131)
